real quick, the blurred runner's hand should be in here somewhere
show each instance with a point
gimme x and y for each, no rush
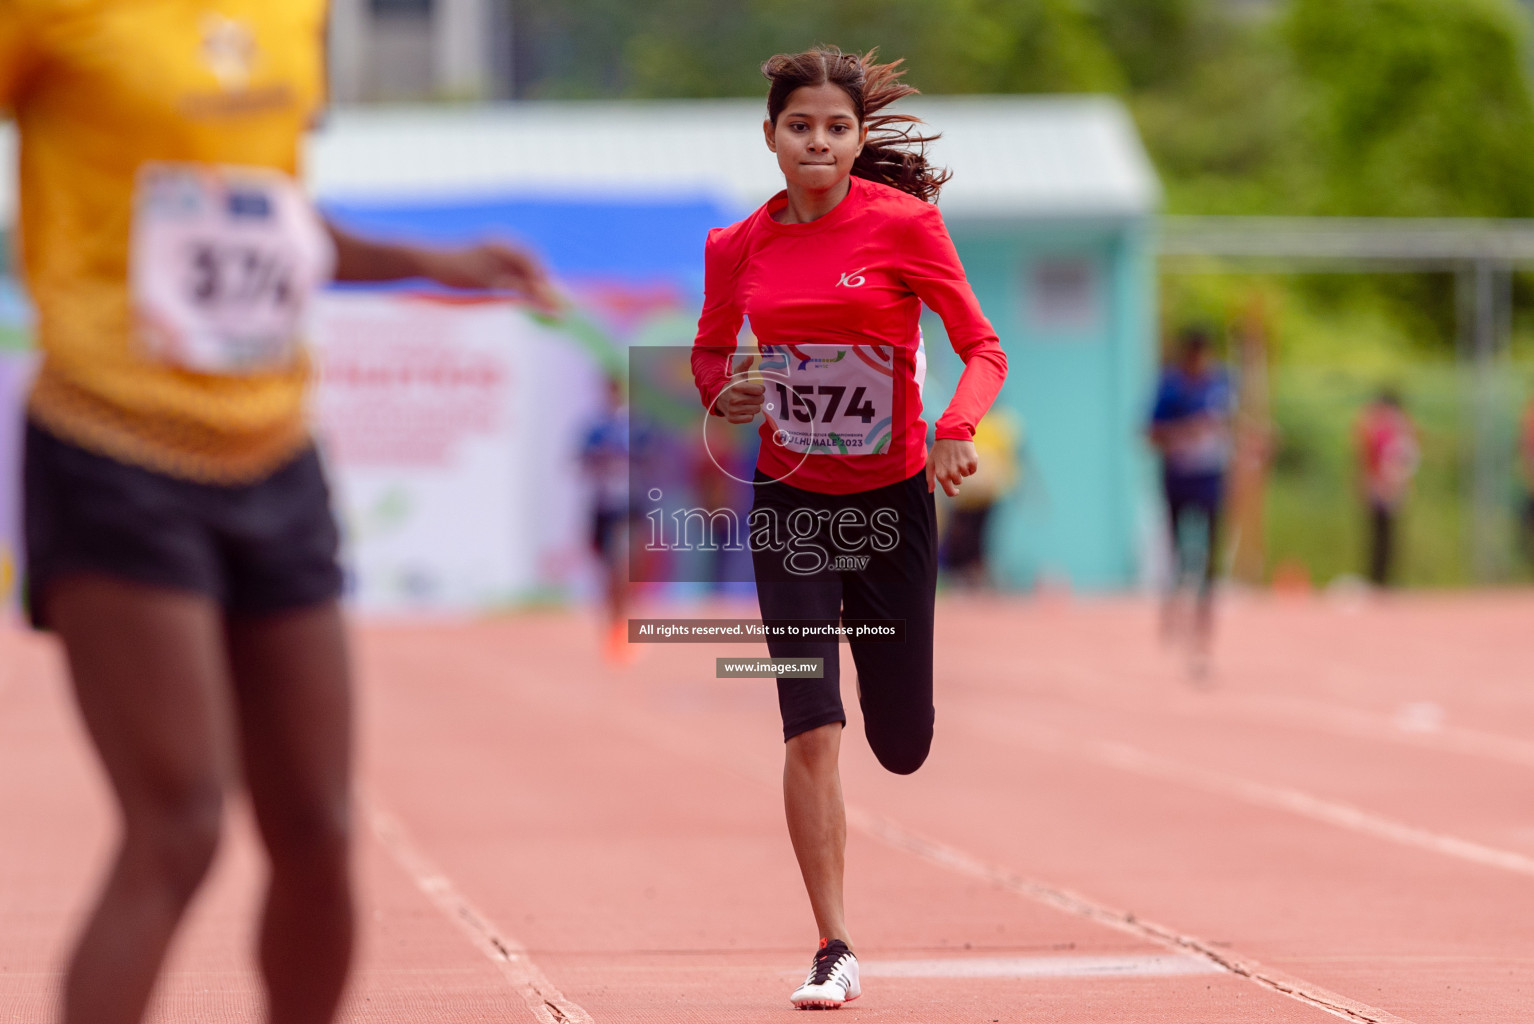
(492, 266)
(949, 462)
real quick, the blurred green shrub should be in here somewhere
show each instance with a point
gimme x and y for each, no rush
(1417, 108)
(670, 48)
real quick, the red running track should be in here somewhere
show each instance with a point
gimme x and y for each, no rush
(1338, 826)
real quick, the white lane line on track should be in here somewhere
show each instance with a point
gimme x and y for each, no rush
(546, 1002)
(1356, 724)
(1124, 757)
(1295, 801)
(962, 863)
(1152, 965)
(1324, 716)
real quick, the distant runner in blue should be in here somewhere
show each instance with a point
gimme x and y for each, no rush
(1191, 428)
(605, 455)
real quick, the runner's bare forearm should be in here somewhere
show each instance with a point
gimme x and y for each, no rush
(361, 259)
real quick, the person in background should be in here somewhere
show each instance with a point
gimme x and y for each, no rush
(964, 546)
(1386, 441)
(1191, 429)
(605, 457)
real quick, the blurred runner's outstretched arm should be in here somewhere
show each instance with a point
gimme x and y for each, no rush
(494, 266)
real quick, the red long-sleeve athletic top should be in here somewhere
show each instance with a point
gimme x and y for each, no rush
(852, 282)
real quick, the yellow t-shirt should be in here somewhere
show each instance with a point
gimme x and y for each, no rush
(98, 88)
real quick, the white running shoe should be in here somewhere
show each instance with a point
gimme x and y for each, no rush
(832, 981)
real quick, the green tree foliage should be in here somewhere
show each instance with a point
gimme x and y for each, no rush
(1346, 107)
(1417, 107)
(1353, 108)
(1223, 122)
(1154, 41)
(1361, 107)
(714, 47)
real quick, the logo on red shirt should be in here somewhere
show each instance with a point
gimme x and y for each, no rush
(853, 278)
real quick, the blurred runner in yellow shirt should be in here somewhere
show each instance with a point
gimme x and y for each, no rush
(179, 537)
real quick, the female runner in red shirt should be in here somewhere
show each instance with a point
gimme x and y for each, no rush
(832, 273)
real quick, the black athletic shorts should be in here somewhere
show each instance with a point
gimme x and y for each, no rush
(255, 548)
(897, 581)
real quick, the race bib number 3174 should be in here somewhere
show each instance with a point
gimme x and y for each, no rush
(829, 399)
(223, 262)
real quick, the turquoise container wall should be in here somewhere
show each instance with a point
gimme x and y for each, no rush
(1074, 304)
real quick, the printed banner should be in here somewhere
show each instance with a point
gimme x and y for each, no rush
(451, 433)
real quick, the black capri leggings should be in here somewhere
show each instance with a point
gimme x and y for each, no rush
(869, 555)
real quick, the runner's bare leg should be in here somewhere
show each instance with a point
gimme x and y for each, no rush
(293, 684)
(817, 822)
(150, 678)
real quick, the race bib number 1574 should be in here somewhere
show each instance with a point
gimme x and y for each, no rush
(223, 262)
(829, 399)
